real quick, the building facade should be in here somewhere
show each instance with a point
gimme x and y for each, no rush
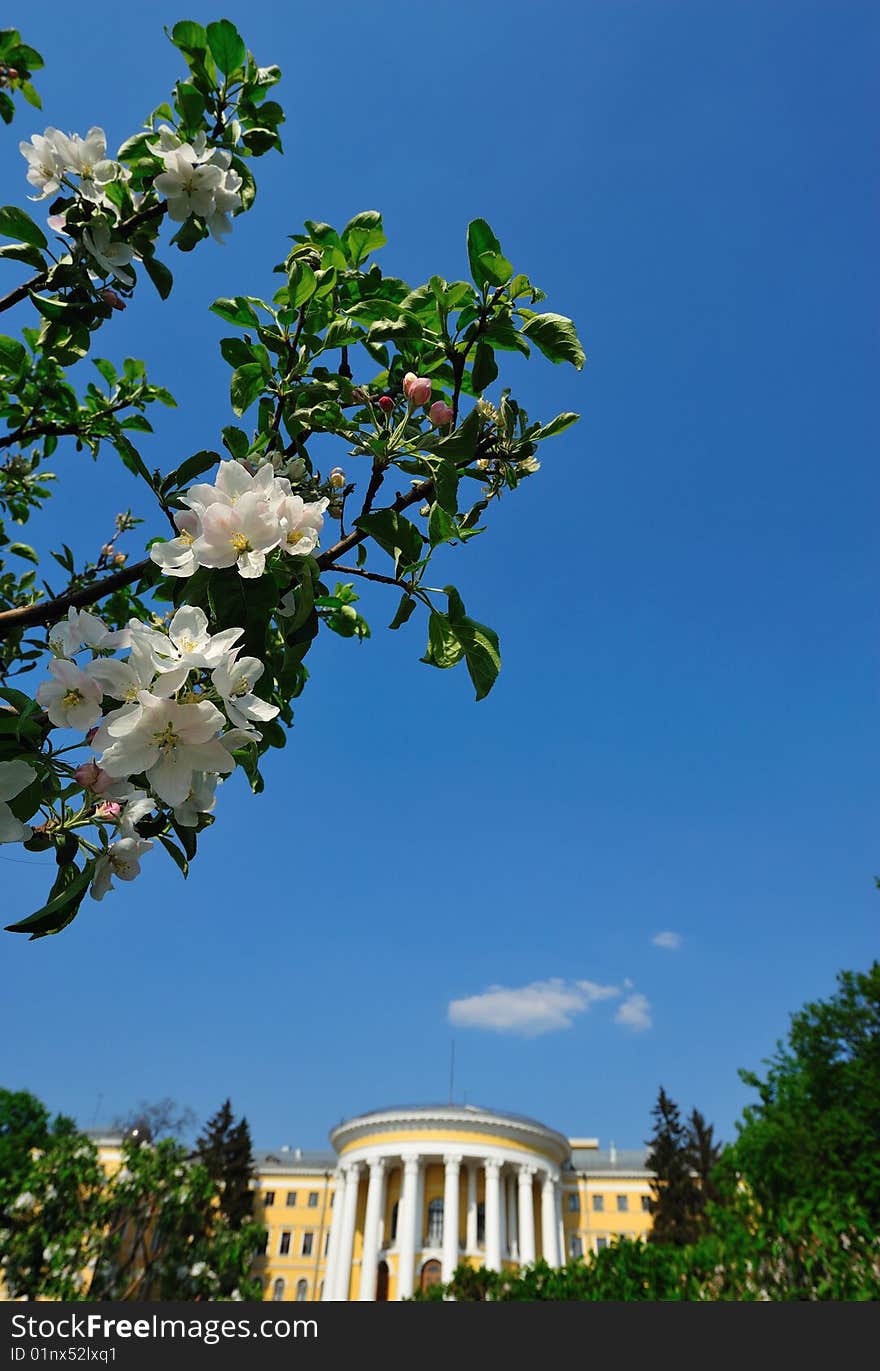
(407, 1194)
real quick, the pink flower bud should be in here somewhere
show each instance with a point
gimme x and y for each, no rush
(87, 774)
(106, 549)
(386, 404)
(440, 413)
(109, 810)
(111, 298)
(417, 389)
(91, 733)
(120, 559)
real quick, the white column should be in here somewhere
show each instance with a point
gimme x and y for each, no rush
(373, 1229)
(346, 1235)
(493, 1214)
(560, 1225)
(470, 1242)
(526, 1216)
(512, 1236)
(335, 1226)
(451, 1192)
(407, 1220)
(502, 1212)
(549, 1226)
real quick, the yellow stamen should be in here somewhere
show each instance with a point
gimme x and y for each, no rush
(71, 698)
(240, 543)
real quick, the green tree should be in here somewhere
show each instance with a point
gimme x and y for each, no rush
(153, 1229)
(814, 1133)
(24, 1125)
(704, 1155)
(224, 1149)
(675, 1200)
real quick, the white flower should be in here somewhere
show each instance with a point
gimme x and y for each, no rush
(137, 807)
(301, 524)
(65, 638)
(45, 163)
(200, 800)
(25, 1201)
(186, 646)
(73, 699)
(232, 481)
(188, 187)
(122, 680)
(95, 634)
(168, 742)
(233, 681)
(14, 778)
(176, 557)
(123, 860)
(112, 256)
(198, 1269)
(227, 199)
(238, 535)
(88, 158)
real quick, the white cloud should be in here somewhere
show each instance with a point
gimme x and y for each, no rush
(635, 1012)
(669, 940)
(542, 1007)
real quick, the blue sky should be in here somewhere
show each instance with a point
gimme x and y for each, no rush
(683, 736)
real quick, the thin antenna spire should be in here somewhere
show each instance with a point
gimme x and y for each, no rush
(451, 1070)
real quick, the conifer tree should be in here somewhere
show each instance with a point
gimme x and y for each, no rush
(225, 1150)
(704, 1154)
(675, 1200)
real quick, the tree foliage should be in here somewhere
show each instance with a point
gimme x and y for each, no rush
(219, 618)
(224, 1149)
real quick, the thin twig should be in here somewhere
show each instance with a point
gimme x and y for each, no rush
(369, 576)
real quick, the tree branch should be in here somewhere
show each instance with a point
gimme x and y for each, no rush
(47, 611)
(27, 435)
(369, 576)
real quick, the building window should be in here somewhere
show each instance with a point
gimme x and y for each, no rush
(646, 1204)
(302, 1291)
(278, 1289)
(431, 1274)
(598, 1203)
(601, 1244)
(268, 1197)
(313, 1199)
(574, 1203)
(308, 1240)
(435, 1224)
(481, 1225)
(575, 1246)
(327, 1244)
(284, 1245)
(382, 1282)
(264, 1245)
(291, 1198)
(332, 1197)
(394, 1209)
(622, 1204)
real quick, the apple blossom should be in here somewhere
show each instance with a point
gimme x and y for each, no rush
(45, 163)
(122, 680)
(123, 860)
(200, 800)
(65, 638)
(386, 404)
(176, 557)
(72, 699)
(87, 157)
(232, 682)
(301, 524)
(417, 389)
(186, 646)
(440, 413)
(238, 535)
(232, 481)
(112, 256)
(15, 777)
(166, 741)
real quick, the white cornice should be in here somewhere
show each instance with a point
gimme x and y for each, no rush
(434, 1119)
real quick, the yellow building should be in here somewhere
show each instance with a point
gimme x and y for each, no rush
(368, 1221)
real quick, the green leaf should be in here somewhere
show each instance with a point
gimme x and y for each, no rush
(31, 95)
(557, 425)
(394, 534)
(21, 252)
(441, 526)
(362, 235)
(404, 611)
(52, 309)
(131, 458)
(453, 636)
(485, 368)
(175, 853)
(556, 337)
(227, 46)
(236, 311)
(65, 898)
(107, 370)
(12, 354)
(193, 467)
(444, 648)
(188, 34)
(235, 441)
(489, 266)
(191, 102)
(246, 384)
(24, 550)
(159, 275)
(239, 603)
(302, 283)
(14, 223)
